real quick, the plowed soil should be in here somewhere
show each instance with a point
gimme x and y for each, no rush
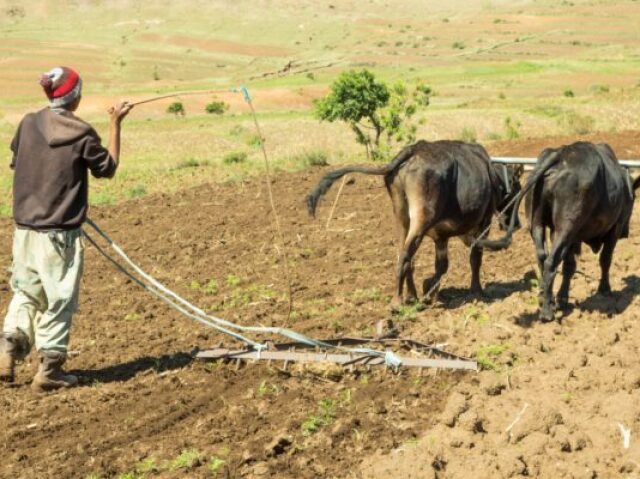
(548, 402)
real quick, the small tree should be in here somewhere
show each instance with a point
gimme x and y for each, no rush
(216, 107)
(177, 108)
(372, 109)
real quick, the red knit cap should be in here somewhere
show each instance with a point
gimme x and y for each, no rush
(62, 85)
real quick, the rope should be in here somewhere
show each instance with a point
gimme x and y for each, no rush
(188, 309)
(486, 230)
(247, 98)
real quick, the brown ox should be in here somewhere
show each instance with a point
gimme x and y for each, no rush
(440, 189)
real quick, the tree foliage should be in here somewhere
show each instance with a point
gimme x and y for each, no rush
(379, 115)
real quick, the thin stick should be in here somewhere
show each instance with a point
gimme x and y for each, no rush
(273, 206)
(172, 95)
(518, 417)
(335, 202)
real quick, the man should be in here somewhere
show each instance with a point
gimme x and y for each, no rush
(52, 152)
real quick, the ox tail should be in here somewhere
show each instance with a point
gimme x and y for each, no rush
(325, 183)
(505, 241)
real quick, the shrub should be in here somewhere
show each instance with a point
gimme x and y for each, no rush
(314, 158)
(216, 107)
(191, 163)
(234, 157)
(458, 45)
(569, 93)
(177, 108)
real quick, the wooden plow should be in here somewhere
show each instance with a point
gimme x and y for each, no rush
(411, 353)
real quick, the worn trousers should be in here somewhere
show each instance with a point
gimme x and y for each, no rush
(46, 272)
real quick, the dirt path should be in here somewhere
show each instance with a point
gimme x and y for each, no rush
(143, 401)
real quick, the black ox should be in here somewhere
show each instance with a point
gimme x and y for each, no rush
(440, 189)
(581, 194)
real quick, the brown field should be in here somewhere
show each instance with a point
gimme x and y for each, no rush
(143, 400)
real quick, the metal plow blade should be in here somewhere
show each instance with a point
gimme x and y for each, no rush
(298, 352)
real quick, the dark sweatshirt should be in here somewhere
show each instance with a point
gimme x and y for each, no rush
(52, 153)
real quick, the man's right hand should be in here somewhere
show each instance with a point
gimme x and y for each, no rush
(119, 111)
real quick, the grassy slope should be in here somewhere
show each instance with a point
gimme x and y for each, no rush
(487, 60)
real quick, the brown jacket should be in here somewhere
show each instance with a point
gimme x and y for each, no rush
(52, 153)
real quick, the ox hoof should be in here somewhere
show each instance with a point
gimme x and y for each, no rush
(412, 299)
(546, 316)
(477, 293)
(562, 303)
(606, 292)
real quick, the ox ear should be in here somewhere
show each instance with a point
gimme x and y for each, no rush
(636, 183)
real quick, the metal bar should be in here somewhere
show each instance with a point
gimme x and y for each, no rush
(511, 160)
(338, 358)
(353, 341)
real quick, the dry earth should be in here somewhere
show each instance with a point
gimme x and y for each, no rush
(143, 400)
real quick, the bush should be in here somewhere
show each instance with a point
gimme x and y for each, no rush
(177, 108)
(216, 107)
(234, 157)
(314, 158)
(458, 46)
(191, 163)
(569, 93)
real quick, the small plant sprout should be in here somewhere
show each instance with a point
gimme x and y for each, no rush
(487, 355)
(215, 464)
(187, 459)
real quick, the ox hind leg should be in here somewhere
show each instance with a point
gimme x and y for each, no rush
(606, 255)
(558, 252)
(401, 214)
(430, 286)
(568, 270)
(475, 258)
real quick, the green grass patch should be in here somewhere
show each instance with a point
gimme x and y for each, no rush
(234, 157)
(324, 416)
(215, 464)
(187, 459)
(487, 355)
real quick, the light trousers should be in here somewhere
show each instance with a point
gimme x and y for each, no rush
(46, 272)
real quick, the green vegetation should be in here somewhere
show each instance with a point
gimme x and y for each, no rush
(371, 108)
(325, 415)
(176, 108)
(216, 107)
(468, 134)
(486, 356)
(187, 459)
(475, 91)
(215, 464)
(234, 157)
